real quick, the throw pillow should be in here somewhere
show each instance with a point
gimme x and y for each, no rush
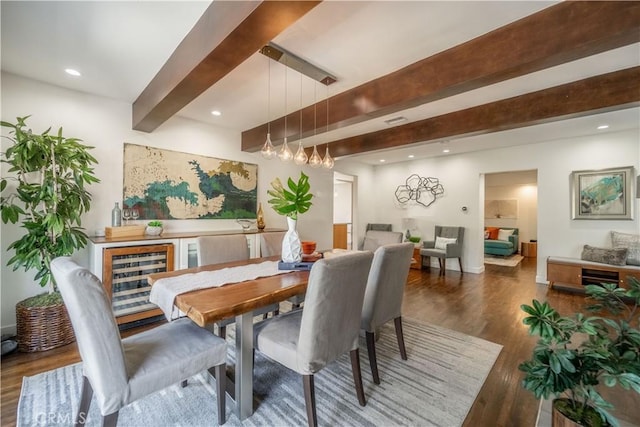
(442, 242)
(504, 234)
(493, 232)
(603, 255)
(629, 241)
(486, 234)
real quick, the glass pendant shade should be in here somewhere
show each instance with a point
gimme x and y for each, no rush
(285, 153)
(268, 151)
(301, 157)
(328, 161)
(315, 161)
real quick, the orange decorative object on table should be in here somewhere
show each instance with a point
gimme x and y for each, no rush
(308, 247)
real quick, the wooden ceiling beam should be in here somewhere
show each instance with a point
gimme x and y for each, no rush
(607, 92)
(197, 64)
(559, 34)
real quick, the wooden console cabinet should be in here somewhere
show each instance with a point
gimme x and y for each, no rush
(575, 273)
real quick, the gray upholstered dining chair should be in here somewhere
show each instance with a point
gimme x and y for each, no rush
(271, 245)
(120, 371)
(447, 244)
(307, 340)
(383, 297)
(222, 248)
(227, 248)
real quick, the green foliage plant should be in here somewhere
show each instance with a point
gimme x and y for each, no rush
(576, 353)
(293, 201)
(50, 173)
(154, 223)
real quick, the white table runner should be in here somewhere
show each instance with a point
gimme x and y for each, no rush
(164, 291)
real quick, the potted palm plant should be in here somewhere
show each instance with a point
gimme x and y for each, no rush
(291, 203)
(575, 354)
(46, 193)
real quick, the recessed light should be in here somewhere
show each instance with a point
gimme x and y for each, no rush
(72, 72)
(216, 113)
(601, 127)
(382, 160)
(411, 156)
(446, 150)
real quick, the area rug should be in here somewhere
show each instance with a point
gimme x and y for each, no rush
(435, 387)
(509, 261)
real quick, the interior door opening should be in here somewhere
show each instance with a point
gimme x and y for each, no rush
(343, 197)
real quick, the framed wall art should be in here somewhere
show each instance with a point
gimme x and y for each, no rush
(164, 184)
(602, 194)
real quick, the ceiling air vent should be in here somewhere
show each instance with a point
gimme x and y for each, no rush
(396, 120)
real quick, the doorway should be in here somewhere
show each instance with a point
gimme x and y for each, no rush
(343, 203)
(511, 202)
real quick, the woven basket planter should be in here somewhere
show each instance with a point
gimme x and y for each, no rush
(42, 328)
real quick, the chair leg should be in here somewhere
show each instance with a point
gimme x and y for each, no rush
(371, 349)
(357, 375)
(221, 386)
(85, 401)
(460, 264)
(398, 323)
(442, 263)
(310, 400)
(110, 420)
(183, 384)
(222, 332)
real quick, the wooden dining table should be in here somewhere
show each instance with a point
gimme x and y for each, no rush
(209, 305)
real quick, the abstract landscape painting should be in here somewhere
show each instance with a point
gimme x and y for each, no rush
(164, 184)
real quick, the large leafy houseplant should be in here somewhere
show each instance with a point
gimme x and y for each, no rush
(293, 201)
(577, 353)
(51, 173)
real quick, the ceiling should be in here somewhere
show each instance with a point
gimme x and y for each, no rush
(120, 46)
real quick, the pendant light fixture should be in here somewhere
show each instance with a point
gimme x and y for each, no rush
(327, 162)
(285, 153)
(315, 161)
(268, 151)
(301, 157)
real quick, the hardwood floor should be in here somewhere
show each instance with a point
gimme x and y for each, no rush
(483, 305)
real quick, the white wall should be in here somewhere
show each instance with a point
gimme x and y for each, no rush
(463, 179)
(106, 125)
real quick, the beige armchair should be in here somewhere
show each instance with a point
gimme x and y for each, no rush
(447, 244)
